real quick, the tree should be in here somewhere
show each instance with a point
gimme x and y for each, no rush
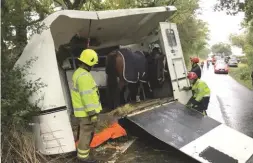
(203, 53)
(19, 20)
(245, 42)
(237, 40)
(193, 36)
(232, 7)
(222, 48)
(68, 4)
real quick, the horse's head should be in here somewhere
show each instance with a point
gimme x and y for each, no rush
(155, 68)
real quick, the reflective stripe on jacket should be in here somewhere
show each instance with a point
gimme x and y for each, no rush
(84, 94)
(201, 90)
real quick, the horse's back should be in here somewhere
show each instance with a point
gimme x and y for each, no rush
(134, 65)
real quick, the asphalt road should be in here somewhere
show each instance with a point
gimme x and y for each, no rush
(231, 103)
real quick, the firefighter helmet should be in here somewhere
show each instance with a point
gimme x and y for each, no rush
(89, 57)
(195, 59)
(192, 76)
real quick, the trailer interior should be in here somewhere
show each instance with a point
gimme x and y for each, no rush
(68, 61)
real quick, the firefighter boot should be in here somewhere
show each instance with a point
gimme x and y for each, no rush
(87, 160)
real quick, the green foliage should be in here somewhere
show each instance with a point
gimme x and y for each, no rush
(232, 7)
(243, 59)
(245, 73)
(16, 91)
(17, 111)
(237, 40)
(204, 53)
(19, 20)
(248, 49)
(193, 32)
(242, 75)
(70, 4)
(245, 42)
(221, 48)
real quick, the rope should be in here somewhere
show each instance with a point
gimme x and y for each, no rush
(88, 39)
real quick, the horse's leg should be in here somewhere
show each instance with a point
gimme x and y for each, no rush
(133, 90)
(122, 88)
(139, 89)
(150, 90)
(147, 90)
(112, 81)
(137, 92)
(121, 81)
(142, 91)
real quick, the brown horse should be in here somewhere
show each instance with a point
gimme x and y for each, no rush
(117, 63)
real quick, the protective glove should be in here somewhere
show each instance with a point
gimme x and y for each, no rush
(186, 88)
(91, 113)
(94, 118)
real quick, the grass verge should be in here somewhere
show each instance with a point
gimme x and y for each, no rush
(242, 75)
(18, 145)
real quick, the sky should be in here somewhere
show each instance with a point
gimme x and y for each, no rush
(220, 24)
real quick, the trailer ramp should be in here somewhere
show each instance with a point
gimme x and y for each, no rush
(198, 136)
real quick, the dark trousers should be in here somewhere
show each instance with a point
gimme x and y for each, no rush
(203, 104)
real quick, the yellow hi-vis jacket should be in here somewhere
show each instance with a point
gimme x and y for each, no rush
(201, 90)
(84, 94)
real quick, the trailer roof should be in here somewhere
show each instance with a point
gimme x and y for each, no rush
(123, 26)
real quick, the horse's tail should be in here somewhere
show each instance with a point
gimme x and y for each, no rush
(112, 80)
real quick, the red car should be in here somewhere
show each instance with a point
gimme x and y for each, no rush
(221, 67)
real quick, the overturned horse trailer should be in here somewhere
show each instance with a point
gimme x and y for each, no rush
(60, 43)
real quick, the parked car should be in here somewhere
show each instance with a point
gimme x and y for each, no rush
(221, 67)
(233, 62)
